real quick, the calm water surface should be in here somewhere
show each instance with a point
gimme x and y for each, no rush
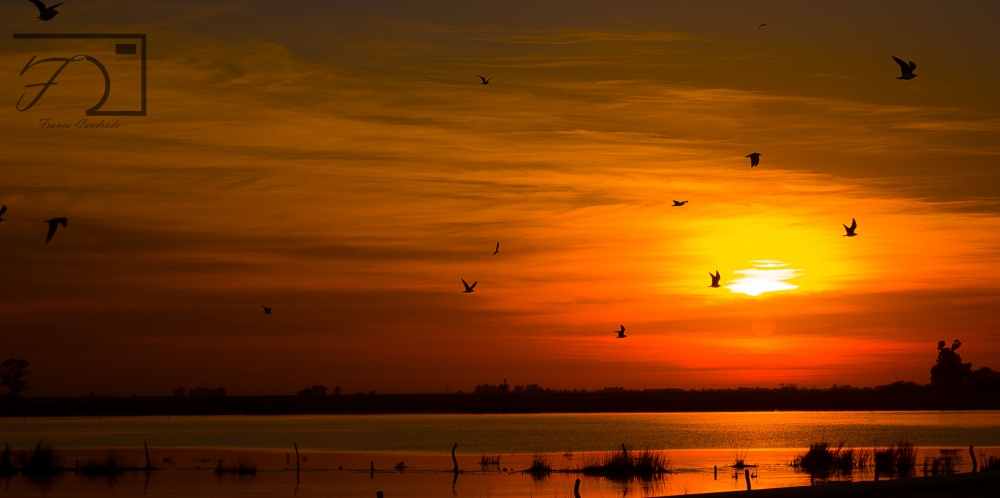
(338, 450)
(508, 434)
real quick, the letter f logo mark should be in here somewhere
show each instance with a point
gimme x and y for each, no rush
(93, 111)
(52, 81)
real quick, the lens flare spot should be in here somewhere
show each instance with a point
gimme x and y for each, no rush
(765, 276)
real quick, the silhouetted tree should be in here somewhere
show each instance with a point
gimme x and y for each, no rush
(179, 392)
(949, 372)
(984, 380)
(493, 390)
(900, 388)
(336, 391)
(12, 374)
(203, 392)
(313, 391)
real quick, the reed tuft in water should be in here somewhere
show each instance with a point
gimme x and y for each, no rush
(40, 462)
(823, 458)
(109, 467)
(740, 459)
(944, 463)
(539, 465)
(241, 468)
(487, 461)
(899, 459)
(625, 464)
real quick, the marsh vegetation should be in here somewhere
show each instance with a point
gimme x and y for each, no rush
(895, 460)
(625, 464)
(823, 458)
(240, 467)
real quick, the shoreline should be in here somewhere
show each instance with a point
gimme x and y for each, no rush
(167, 458)
(984, 484)
(654, 401)
(319, 416)
(180, 468)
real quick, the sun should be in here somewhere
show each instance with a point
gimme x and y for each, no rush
(765, 276)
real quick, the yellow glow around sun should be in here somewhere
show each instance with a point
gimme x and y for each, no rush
(765, 276)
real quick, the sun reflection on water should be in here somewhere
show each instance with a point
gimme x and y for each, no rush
(765, 276)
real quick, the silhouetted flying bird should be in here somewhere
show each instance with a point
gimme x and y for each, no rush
(715, 278)
(45, 13)
(754, 159)
(907, 69)
(486, 81)
(495, 251)
(621, 332)
(469, 288)
(267, 311)
(53, 224)
(679, 203)
(762, 25)
(851, 229)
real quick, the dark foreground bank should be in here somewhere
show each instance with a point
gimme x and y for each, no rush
(545, 402)
(973, 485)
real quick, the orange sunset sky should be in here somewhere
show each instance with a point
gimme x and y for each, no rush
(341, 163)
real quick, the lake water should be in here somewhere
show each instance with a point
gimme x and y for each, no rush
(338, 451)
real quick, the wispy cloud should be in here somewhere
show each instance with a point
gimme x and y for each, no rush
(578, 36)
(352, 177)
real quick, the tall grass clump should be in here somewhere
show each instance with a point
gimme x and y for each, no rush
(539, 465)
(944, 463)
(487, 461)
(863, 459)
(41, 462)
(991, 462)
(740, 459)
(241, 468)
(109, 467)
(823, 458)
(896, 460)
(624, 464)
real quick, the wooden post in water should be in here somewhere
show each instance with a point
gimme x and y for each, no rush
(453, 459)
(746, 473)
(149, 465)
(715, 469)
(378, 494)
(297, 468)
(972, 453)
(576, 489)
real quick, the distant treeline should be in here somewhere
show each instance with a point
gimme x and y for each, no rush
(954, 385)
(897, 396)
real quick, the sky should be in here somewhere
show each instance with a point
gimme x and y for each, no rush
(341, 163)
